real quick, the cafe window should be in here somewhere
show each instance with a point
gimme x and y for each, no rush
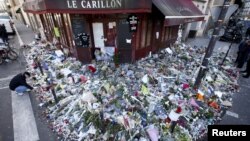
(48, 27)
(175, 31)
(60, 25)
(149, 33)
(138, 35)
(67, 27)
(163, 34)
(143, 32)
(170, 33)
(50, 23)
(166, 33)
(38, 20)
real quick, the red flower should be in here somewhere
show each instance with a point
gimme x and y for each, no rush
(92, 69)
(185, 86)
(136, 94)
(178, 110)
(168, 120)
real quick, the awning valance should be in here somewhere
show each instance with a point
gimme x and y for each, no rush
(88, 6)
(178, 11)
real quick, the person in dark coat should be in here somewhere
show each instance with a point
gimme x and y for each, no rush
(244, 49)
(3, 32)
(247, 32)
(247, 71)
(19, 84)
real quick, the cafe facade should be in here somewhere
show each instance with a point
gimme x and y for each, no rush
(133, 28)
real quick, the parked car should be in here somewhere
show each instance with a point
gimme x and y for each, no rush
(8, 22)
(233, 32)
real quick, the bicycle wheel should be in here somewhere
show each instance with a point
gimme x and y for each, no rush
(12, 55)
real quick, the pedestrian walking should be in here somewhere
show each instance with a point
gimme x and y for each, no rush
(19, 84)
(244, 49)
(3, 33)
(247, 34)
(247, 70)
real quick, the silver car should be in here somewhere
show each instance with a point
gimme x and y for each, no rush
(7, 21)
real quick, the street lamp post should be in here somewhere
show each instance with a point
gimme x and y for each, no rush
(223, 16)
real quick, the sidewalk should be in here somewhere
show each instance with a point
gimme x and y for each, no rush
(239, 113)
(25, 35)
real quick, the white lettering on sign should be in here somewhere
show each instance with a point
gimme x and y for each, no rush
(71, 4)
(216, 132)
(133, 20)
(88, 5)
(102, 5)
(94, 4)
(74, 4)
(83, 4)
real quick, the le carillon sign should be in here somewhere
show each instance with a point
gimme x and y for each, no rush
(76, 5)
(95, 4)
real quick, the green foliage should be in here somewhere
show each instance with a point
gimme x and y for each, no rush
(116, 59)
(180, 135)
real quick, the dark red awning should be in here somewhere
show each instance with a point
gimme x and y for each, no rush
(178, 11)
(87, 6)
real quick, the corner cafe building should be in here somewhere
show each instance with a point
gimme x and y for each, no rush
(133, 27)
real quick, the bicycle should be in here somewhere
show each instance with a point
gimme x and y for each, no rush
(6, 52)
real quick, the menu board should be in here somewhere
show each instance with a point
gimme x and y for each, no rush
(79, 28)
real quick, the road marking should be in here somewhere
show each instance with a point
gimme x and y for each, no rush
(4, 82)
(232, 114)
(4, 87)
(24, 123)
(7, 78)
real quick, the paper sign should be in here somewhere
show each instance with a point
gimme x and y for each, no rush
(66, 71)
(209, 79)
(110, 25)
(145, 79)
(153, 133)
(174, 116)
(110, 50)
(88, 97)
(157, 35)
(56, 30)
(128, 41)
(59, 53)
(218, 93)
(92, 130)
(169, 50)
